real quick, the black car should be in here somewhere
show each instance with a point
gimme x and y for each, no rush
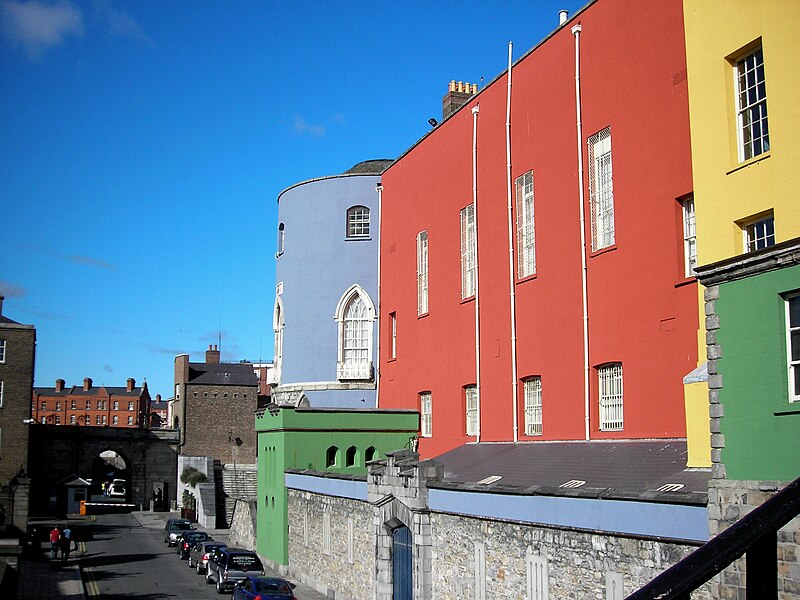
(189, 539)
(232, 565)
(175, 527)
(201, 552)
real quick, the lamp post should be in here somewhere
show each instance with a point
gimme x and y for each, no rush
(13, 485)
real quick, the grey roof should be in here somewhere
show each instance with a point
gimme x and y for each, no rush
(7, 320)
(222, 374)
(370, 167)
(612, 469)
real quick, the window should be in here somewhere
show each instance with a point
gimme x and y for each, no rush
(2, 386)
(793, 345)
(610, 388)
(97, 420)
(425, 414)
(72, 404)
(532, 391)
(355, 314)
(538, 577)
(130, 420)
(689, 238)
(105, 420)
(759, 233)
(526, 246)
(88, 405)
(58, 420)
(116, 404)
(467, 251)
(44, 405)
(422, 272)
(99, 405)
(751, 105)
(393, 334)
(350, 457)
(471, 402)
(369, 454)
(58, 405)
(331, 456)
(277, 326)
(358, 222)
(115, 420)
(130, 404)
(2, 351)
(72, 419)
(601, 190)
(280, 240)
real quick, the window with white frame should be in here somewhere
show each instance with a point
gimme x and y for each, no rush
(689, 237)
(58, 420)
(2, 351)
(532, 391)
(358, 222)
(115, 420)
(58, 405)
(130, 404)
(426, 414)
(751, 105)
(526, 239)
(759, 233)
(97, 420)
(471, 402)
(610, 394)
(116, 404)
(105, 420)
(277, 325)
(73, 404)
(601, 190)
(467, 251)
(130, 420)
(393, 335)
(281, 240)
(793, 345)
(355, 314)
(73, 419)
(422, 272)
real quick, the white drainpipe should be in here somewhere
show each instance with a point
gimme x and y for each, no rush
(511, 277)
(576, 31)
(475, 110)
(379, 188)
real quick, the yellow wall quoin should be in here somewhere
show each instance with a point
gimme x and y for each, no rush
(730, 189)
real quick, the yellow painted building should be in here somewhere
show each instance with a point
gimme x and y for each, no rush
(744, 111)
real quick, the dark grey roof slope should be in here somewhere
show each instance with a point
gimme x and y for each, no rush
(370, 167)
(623, 469)
(222, 374)
(7, 320)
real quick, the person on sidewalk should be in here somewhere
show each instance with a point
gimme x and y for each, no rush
(66, 543)
(55, 537)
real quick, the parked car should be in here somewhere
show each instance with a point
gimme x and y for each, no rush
(189, 539)
(232, 565)
(117, 489)
(199, 554)
(263, 588)
(175, 527)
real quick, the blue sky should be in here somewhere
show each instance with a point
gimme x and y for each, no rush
(143, 146)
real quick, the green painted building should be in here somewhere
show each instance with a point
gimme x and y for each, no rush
(753, 324)
(336, 440)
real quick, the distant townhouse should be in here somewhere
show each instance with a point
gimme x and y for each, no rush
(92, 406)
(159, 413)
(745, 124)
(533, 280)
(17, 354)
(325, 313)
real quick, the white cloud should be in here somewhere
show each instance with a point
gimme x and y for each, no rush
(303, 128)
(119, 24)
(12, 290)
(92, 262)
(37, 26)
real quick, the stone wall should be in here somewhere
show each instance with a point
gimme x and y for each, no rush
(730, 500)
(243, 525)
(331, 546)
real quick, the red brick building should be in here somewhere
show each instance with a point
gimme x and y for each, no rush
(526, 294)
(92, 406)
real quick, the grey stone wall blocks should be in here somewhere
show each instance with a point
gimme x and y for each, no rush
(711, 293)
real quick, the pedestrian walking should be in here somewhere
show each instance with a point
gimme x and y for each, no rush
(66, 543)
(55, 537)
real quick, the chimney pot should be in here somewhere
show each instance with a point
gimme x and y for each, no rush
(87, 384)
(212, 355)
(563, 15)
(1, 303)
(60, 385)
(458, 94)
(131, 384)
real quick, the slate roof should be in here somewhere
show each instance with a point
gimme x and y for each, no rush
(370, 167)
(7, 320)
(632, 469)
(222, 374)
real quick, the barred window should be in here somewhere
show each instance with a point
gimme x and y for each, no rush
(426, 414)
(532, 390)
(471, 401)
(467, 251)
(610, 392)
(601, 190)
(526, 241)
(422, 272)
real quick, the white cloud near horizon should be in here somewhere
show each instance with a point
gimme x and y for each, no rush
(92, 262)
(38, 26)
(12, 290)
(303, 128)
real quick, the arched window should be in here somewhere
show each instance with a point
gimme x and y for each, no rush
(277, 325)
(358, 222)
(355, 314)
(331, 457)
(369, 454)
(350, 457)
(281, 240)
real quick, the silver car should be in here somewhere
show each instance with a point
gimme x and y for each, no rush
(200, 553)
(175, 527)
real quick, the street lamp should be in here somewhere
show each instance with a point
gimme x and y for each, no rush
(13, 485)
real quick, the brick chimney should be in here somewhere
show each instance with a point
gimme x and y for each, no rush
(1, 304)
(87, 384)
(131, 384)
(212, 355)
(60, 385)
(458, 94)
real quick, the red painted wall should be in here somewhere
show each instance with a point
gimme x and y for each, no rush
(642, 312)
